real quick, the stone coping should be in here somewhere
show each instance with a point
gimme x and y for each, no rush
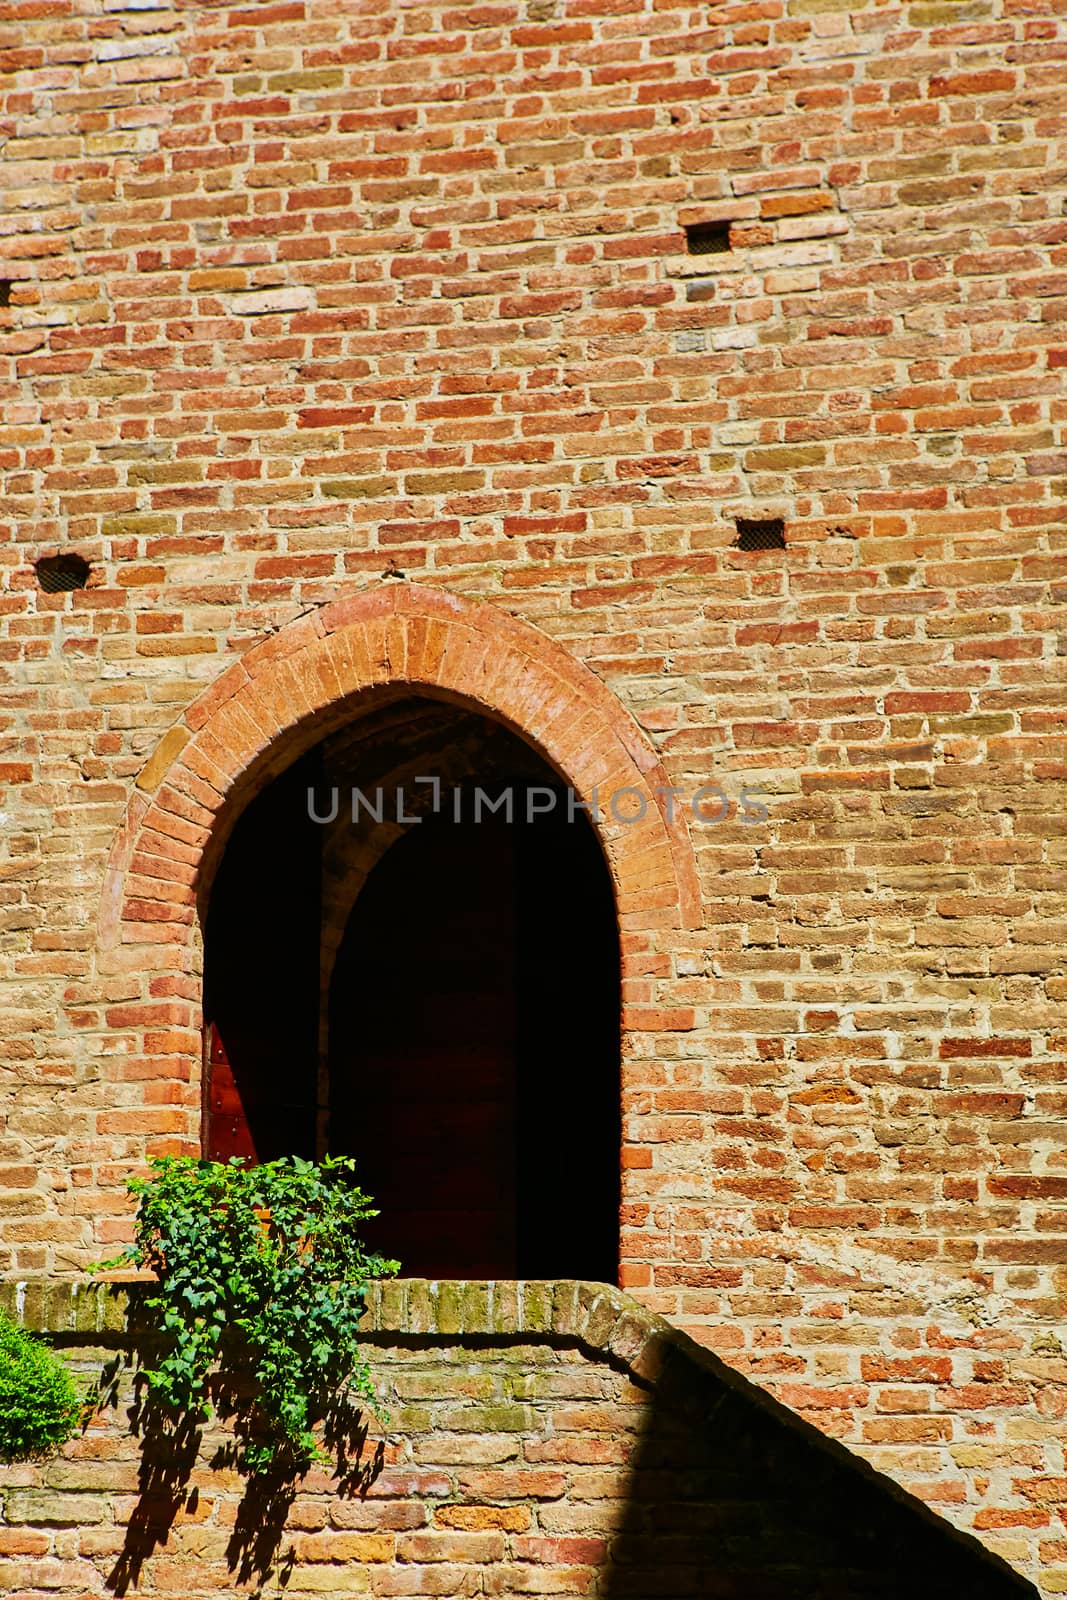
(604, 1321)
(597, 1316)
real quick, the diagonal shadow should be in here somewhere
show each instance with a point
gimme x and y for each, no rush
(733, 1497)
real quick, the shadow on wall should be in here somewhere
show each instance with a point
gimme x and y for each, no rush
(548, 1437)
(731, 1496)
(174, 1449)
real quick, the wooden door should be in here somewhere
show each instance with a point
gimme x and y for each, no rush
(423, 1080)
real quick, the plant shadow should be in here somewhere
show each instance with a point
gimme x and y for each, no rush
(171, 1446)
(255, 1542)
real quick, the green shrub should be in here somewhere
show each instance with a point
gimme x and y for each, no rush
(39, 1404)
(262, 1280)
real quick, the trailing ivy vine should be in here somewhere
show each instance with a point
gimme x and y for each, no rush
(262, 1279)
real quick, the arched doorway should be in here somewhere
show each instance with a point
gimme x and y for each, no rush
(412, 957)
(261, 714)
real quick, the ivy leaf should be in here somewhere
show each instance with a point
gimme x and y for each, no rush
(262, 1277)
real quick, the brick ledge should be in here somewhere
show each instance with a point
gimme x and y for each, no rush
(596, 1315)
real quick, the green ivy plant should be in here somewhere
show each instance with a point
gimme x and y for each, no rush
(262, 1280)
(40, 1408)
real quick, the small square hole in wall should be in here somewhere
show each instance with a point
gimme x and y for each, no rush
(62, 573)
(5, 291)
(760, 533)
(707, 238)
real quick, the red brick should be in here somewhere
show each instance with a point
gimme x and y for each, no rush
(513, 414)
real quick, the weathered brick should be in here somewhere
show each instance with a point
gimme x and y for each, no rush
(244, 354)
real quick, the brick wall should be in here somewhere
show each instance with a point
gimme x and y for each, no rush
(304, 296)
(544, 1438)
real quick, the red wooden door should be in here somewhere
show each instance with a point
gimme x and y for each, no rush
(226, 1131)
(423, 1079)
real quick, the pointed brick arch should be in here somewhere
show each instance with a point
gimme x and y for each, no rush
(285, 693)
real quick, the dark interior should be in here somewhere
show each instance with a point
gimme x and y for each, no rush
(261, 979)
(473, 1062)
(474, 1025)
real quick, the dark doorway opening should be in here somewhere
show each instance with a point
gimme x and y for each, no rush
(457, 1028)
(474, 1028)
(261, 979)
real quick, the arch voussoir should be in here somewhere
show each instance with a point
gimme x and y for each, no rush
(226, 685)
(285, 690)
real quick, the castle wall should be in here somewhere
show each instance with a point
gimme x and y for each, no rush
(314, 302)
(541, 1438)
